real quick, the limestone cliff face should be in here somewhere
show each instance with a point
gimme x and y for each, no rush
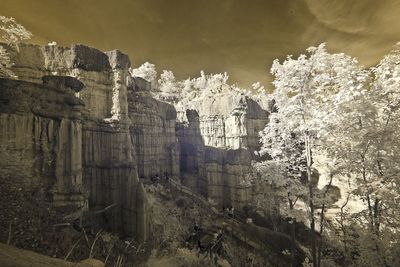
(114, 146)
(123, 134)
(231, 121)
(218, 137)
(41, 138)
(153, 132)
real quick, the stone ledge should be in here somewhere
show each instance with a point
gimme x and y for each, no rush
(63, 82)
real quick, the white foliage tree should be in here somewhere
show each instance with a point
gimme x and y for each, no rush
(12, 33)
(188, 90)
(146, 71)
(308, 90)
(363, 145)
(258, 87)
(5, 64)
(210, 83)
(169, 89)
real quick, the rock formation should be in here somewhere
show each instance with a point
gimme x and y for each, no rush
(218, 137)
(41, 130)
(93, 143)
(106, 155)
(153, 132)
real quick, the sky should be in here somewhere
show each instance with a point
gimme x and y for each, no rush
(241, 37)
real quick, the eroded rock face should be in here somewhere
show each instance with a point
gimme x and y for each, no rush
(231, 121)
(218, 137)
(107, 153)
(153, 133)
(41, 138)
(228, 120)
(126, 134)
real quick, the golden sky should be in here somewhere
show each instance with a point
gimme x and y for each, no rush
(241, 37)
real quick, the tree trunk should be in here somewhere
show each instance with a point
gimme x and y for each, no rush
(293, 236)
(293, 247)
(321, 227)
(311, 199)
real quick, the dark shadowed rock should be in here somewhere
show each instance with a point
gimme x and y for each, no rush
(63, 82)
(214, 155)
(89, 58)
(142, 84)
(118, 59)
(192, 115)
(238, 157)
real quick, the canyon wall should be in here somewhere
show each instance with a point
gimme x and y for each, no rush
(125, 134)
(118, 139)
(218, 137)
(41, 137)
(153, 132)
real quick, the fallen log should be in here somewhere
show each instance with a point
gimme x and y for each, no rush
(11, 256)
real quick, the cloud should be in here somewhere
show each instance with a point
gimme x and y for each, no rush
(347, 16)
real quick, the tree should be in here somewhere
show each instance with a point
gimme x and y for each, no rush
(12, 34)
(385, 160)
(364, 145)
(5, 64)
(186, 91)
(146, 71)
(169, 89)
(307, 90)
(286, 188)
(210, 83)
(257, 87)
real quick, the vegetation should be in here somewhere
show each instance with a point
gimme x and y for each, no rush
(335, 123)
(12, 34)
(336, 117)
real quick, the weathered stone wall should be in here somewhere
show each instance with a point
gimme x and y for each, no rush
(225, 170)
(153, 133)
(192, 149)
(217, 138)
(108, 154)
(127, 134)
(41, 138)
(231, 120)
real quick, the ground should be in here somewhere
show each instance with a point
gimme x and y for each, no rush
(29, 221)
(175, 216)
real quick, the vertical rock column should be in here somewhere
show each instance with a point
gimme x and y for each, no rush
(120, 64)
(68, 188)
(110, 172)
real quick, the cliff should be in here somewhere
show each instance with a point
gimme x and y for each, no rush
(153, 134)
(100, 139)
(218, 136)
(41, 137)
(105, 142)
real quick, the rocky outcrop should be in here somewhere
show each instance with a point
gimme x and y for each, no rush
(109, 172)
(231, 121)
(153, 135)
(41, 137)
(218, 137)
(125, 134)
